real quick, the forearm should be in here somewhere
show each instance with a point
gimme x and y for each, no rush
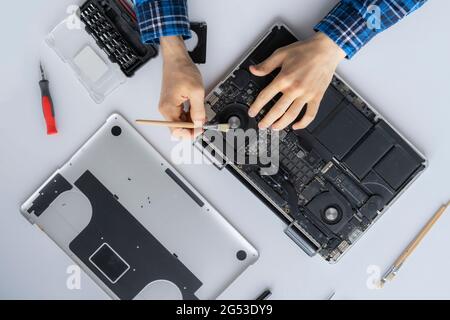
(173, 48)
(162, 18)
(327, 46)
(353, 23)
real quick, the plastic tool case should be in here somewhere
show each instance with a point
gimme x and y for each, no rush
(102, 45)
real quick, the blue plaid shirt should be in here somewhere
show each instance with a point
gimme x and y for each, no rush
(351, 24)
(159, 18)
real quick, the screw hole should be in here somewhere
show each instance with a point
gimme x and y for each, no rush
(116, 131)
(241, 255)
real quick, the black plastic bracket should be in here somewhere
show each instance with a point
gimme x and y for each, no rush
(48, 194)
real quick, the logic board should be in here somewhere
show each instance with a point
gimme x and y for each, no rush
(335, 178)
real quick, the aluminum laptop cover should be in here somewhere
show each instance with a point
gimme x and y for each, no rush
(134, 224)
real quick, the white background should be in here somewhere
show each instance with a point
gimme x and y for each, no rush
(404, 73)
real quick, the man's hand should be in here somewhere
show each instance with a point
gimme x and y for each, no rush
(182, 82)
(307, 69)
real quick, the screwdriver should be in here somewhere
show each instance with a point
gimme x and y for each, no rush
(47, 104)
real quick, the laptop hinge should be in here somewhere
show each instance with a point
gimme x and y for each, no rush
(300, 240)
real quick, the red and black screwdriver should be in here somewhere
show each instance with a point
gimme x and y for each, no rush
(47, 104)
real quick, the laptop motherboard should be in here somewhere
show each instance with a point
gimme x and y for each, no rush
(335, 178)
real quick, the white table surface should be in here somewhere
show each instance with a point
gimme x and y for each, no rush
(404, 73)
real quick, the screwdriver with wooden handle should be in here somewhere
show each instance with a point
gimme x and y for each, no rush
(225, 127)
(393, 270)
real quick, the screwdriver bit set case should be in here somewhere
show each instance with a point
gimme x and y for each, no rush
(101, 43)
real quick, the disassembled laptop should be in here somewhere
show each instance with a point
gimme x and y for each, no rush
(335, 178)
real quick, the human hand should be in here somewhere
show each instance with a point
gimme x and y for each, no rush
(182, 82)
(307, 69)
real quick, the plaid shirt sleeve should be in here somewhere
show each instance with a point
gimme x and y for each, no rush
(353, 23)
(159, 18)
